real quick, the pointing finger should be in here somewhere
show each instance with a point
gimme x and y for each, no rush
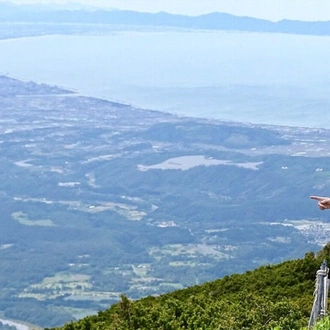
(317, 198)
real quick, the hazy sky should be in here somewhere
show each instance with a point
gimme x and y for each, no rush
(269, 9)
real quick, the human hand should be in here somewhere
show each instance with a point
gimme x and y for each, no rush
(323, 202)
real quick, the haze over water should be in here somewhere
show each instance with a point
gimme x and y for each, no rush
(264, 78)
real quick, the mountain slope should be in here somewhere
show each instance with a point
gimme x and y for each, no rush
(277, 295)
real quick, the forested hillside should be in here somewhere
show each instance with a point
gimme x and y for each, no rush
(268, 297)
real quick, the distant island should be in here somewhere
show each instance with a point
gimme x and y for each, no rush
(11, 13)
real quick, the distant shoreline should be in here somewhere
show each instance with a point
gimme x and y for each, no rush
(68, 92)
(225, 87)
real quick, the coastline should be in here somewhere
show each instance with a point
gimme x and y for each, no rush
(198, 90)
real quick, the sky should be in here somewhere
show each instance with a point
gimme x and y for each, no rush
(275, 10)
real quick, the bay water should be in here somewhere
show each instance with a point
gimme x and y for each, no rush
(277, 79)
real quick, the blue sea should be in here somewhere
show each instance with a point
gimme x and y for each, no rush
(262, 78)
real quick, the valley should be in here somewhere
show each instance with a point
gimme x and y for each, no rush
(100, 198)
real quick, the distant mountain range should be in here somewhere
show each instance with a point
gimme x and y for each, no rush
(213, 21)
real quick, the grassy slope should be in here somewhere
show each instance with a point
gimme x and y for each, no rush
(268, 297)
